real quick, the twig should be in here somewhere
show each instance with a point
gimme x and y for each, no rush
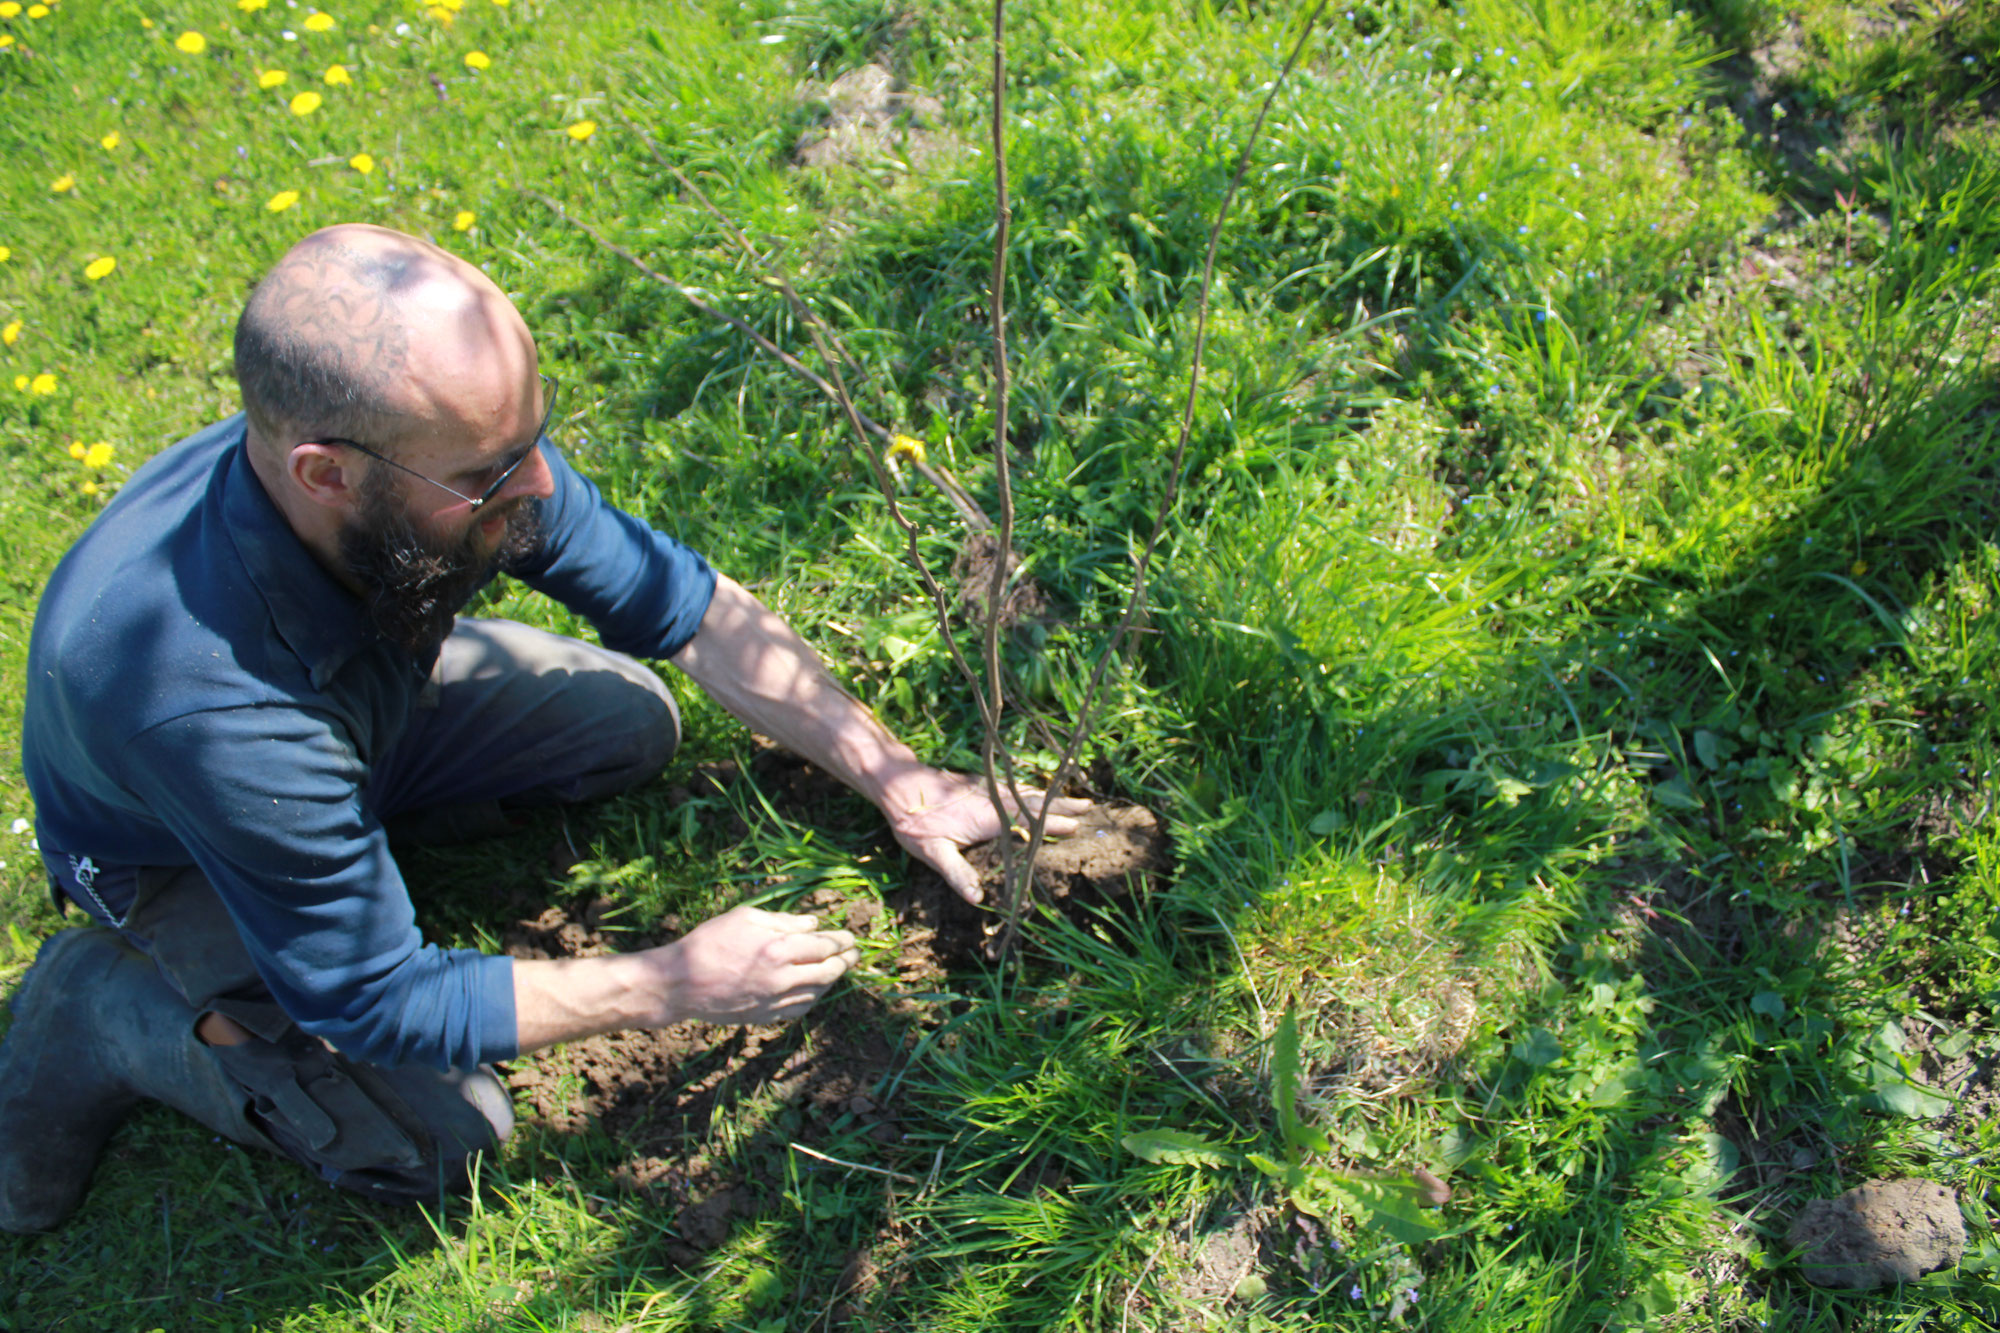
(861, 426)
(829, 346)
(1038, 825)
(1132, 1294)
(1013, 883)
(900, 445)
(834, 353)
(687, 294)
(896, 1176)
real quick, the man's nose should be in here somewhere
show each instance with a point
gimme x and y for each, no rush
(533, 479)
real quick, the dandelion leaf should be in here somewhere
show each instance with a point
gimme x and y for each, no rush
(1285, 1077)
(1178, 1147)
(1392, 1205)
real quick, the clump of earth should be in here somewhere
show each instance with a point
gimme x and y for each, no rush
(1879, 1233)
(659, 1093)
(872, 117)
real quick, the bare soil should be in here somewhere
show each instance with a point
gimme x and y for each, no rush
(661, 1094)
(873, 120)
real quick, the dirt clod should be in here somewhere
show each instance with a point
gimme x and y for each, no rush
(1882, 1232)
(1114, 851)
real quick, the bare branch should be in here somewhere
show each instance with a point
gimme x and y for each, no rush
(1014, 874)
(861, 426)
(1038, 824)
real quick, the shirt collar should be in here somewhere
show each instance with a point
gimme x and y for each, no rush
(319, 620)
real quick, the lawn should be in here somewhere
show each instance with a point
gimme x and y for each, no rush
(1563, 683)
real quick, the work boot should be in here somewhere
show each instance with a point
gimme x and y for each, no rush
(96, 1031)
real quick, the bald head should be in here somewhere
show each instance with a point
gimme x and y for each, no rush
(364, 333)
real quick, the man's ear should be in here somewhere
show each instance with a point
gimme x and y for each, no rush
(325, 474)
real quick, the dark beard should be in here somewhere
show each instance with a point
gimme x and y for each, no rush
(413, 585)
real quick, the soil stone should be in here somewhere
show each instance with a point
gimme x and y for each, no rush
(1879, 1233)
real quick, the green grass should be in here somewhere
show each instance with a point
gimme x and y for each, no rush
(1569, 675)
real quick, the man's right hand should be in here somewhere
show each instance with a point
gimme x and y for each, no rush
(746, 966)
(751, 967)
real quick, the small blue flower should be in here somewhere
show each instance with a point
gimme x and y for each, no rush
(1354, 1292)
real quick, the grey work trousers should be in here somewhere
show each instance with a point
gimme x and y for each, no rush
(511, 717)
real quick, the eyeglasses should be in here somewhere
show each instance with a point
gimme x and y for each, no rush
(506, 469)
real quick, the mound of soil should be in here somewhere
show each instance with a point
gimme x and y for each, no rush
(872, 119)
(1882, 1232)
(661, 1093)
(1115, 850)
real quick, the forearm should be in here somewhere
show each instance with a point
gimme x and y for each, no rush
(754, 665)
(567, 999)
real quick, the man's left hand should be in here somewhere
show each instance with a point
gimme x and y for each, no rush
(942, 814)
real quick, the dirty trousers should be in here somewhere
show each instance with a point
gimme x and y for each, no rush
(511, 717)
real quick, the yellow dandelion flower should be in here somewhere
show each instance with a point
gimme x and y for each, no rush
(362, 163)
(463, 222)
(5, 254)
(440, 13)
(9, 8)
(453, 5)
(477, 60)
(89, 487)
(6, 40)
(11, 334)
(98, 455)
(251, 6)
(337, 76)
(38, 11)
(281, 201)
(76, 450)
(62, 184)
(191, 43)
(110, 141)
(146, 24)
(500, 2)
(582, 130)
(43, 384)
(21, 383)
(100, 268)
(305, 104)
(318, 22)
(271, 78)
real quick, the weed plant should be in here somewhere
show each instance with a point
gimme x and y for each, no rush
(1568, 679)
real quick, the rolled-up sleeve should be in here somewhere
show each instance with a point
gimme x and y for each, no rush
(644, 591)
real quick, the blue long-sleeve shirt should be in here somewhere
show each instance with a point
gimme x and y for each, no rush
(202, 692)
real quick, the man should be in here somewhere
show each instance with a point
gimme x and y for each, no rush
(248, 671)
